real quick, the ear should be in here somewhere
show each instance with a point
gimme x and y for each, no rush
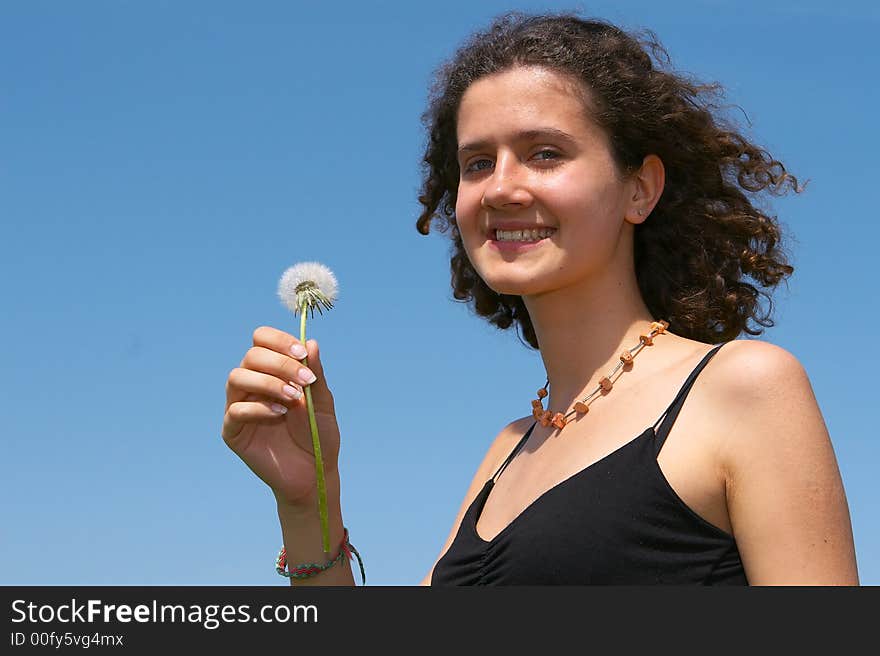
(647, 186)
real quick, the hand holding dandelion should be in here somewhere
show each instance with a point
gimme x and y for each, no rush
(303, 288)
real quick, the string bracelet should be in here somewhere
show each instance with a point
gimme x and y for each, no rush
(308, 570)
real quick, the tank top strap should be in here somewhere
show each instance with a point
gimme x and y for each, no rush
(515, 451)
(675, 407)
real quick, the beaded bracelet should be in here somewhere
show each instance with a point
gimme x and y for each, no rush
(307, 570)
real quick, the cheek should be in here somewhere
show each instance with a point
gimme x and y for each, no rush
(467, 212)
(467, 203)
(582, 205)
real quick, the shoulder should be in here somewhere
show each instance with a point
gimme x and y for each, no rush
(756, 403)
(506, 440)
(760, 379)
(501, 446)
(766, 408)
(745, 370)
(744, 378)
(759, 382)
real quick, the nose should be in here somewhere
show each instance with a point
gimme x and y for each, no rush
(507, 186)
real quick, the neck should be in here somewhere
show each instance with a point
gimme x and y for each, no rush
(582, 330)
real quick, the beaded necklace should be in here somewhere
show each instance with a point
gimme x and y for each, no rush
(547, 417)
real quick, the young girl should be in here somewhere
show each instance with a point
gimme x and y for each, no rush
(596, 202)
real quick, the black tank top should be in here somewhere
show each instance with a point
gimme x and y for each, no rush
(616, 522)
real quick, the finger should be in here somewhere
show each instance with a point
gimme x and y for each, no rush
(279, 341)
(242, 382)
(285, 368)
(249, 412)
(267, 337)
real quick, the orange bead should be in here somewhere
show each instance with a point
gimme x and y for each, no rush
(646, 339)
(559, 420)
(605, 383)
(545, 418)
(537, 412)
(537, 403)
(581, 407)
(542, 393)
(626, 357)
(659, 326)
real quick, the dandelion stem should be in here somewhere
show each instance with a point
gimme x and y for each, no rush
(316, 446)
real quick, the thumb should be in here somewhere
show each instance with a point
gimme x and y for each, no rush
(321, 394)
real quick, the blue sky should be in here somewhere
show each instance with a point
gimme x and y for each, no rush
(162, 163)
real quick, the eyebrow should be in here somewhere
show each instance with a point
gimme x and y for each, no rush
(520, 136)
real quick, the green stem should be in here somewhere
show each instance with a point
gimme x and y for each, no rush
(316, 446)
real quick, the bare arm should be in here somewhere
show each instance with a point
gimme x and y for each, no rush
(785, 495)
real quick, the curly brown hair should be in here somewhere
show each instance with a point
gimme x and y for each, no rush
(703, 236)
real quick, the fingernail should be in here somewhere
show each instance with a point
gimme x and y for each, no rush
(280, 409)
(306, 376)
(292, 392)
(298, 351)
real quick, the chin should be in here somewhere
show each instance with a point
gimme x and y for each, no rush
(514, 283)
(512, 287)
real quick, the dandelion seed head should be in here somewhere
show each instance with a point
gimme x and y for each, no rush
(311, 283)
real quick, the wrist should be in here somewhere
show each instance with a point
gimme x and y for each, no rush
(306, 506)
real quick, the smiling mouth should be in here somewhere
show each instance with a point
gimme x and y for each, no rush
(521, 236)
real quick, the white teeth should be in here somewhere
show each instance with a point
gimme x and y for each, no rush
(523, 235)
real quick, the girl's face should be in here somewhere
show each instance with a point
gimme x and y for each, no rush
(529, 159)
